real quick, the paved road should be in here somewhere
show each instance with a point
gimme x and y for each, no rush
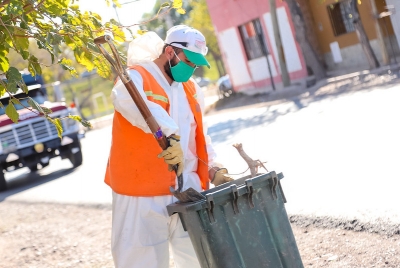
(339, 156)
(59, 182)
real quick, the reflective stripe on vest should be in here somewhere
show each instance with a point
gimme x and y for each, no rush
(133, 167)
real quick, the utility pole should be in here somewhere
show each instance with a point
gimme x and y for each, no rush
(278, 42)
(379, 34)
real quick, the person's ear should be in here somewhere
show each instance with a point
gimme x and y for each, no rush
(169, 52)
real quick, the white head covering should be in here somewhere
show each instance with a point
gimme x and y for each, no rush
(193, 39)
(144, 48)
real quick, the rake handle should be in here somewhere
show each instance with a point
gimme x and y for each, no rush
(148, 117)
(130, 86)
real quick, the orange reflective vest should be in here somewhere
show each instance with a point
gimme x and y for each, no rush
(133, 167)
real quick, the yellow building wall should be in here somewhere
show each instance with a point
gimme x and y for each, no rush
(324, 30)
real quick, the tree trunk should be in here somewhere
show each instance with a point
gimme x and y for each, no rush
(362, 36)
(309, 53)
(217, 58)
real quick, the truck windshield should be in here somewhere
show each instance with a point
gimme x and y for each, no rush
(35, 94)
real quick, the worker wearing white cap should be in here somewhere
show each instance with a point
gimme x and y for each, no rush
(138, 171)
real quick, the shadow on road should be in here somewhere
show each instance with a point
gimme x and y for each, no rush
(220, 131)
(30, 180)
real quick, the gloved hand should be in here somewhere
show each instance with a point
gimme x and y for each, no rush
(221, 176)
(173, 155)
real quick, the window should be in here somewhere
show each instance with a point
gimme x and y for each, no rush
(253, 39)
(341, 18)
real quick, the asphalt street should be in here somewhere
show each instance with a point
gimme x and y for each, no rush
(338, 154)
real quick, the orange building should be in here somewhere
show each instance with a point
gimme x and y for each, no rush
(337, 41)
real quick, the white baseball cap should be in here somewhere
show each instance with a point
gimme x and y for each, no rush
(191, 41)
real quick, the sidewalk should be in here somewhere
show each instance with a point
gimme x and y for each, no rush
(328, 85)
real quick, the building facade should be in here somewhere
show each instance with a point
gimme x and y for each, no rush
(332, 21)
(246, 38)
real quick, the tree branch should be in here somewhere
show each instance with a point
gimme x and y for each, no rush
(4, 3)
(33, 8)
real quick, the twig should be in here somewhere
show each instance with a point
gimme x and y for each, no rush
(5, 2)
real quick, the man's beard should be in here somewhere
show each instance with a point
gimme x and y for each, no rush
(167, 68)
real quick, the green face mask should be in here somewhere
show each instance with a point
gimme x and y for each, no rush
(182, 71)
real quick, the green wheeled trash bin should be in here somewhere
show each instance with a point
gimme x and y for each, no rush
(241, 224)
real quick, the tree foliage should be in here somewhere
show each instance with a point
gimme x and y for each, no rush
(53, 25)
(158, 22)
(199, 18)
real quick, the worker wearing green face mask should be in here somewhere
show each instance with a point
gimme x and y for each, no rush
(182, 71)
(192, 43)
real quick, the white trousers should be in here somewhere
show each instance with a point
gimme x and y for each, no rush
(142, 233)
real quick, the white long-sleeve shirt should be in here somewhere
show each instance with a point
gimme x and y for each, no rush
(180, 119)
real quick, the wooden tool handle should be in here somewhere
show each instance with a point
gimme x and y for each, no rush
(148, 117)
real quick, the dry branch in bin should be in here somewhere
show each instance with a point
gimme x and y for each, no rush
(254, 165)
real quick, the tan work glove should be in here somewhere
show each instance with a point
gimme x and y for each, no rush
(173, 155)
(221, 176)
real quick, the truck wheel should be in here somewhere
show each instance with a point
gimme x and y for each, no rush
(76, 158)
(3, 184)
(33, 168)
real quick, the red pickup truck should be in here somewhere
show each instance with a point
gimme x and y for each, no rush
(33, 141)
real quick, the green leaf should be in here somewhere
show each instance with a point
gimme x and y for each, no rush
(23, 25)
(116, 3)
(21, 41)
(47, 110)
(70, 42)
(119, 35)
(103, 68)
(35, 105)
(24, 54)
(15, 101)
(141, 32)
(2, 90)
(181, 11)
(59, 128)
(13, 78)
(74, 7)
(4, 62)
(11, 112)
(23, 86)
(66, 65)
(34, 66)
(13, 74)
(177, 4)
(84, 57)
(57, 123)
(166, 4)
(80, 120)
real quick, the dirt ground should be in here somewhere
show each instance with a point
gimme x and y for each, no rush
(56, 235)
